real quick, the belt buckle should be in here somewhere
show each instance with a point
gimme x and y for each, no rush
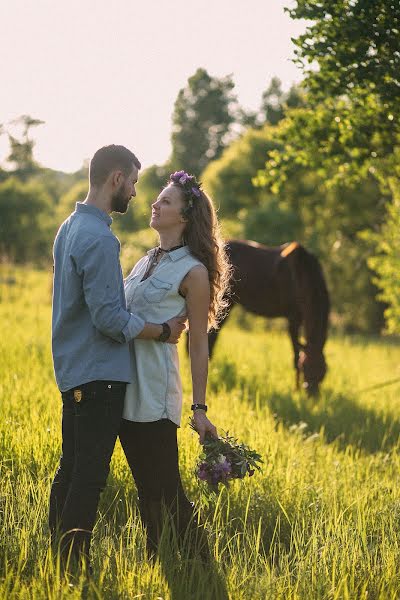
(78, 395)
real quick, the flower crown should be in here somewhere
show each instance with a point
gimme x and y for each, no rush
(188, 183)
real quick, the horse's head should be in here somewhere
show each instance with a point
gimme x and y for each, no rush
(313, 367)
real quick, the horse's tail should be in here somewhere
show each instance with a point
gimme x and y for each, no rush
(312, 293)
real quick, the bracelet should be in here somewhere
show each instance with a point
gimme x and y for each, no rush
(199, 407)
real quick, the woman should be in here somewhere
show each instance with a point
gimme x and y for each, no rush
(187, 273)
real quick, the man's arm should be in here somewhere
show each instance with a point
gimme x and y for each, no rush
(99, 266)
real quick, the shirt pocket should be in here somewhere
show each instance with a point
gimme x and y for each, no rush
(156, 290)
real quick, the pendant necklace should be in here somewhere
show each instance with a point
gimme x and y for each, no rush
(155, 259)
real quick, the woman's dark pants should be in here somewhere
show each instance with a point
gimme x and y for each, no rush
(152, 454)
(91, 419)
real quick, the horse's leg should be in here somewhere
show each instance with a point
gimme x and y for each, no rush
(213, 334)
(294, 327)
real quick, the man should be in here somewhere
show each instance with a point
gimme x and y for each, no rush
(90, 331)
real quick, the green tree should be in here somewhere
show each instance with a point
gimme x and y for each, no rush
(274, 105)
(27, 223)
(58, 183)
(351, 129)
(67, 202)
(272, 102)
(255, 211)
(353, 123)
(386, 262)
(202, 120)
(356, 46)
(229, 179)
(332, 222)
(327, 221)
(3, 173)
(21, 149)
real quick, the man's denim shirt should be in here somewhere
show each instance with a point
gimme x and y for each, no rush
(90, 326)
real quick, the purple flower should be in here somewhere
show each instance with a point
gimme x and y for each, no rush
(202, 472)
(183, 179)
(177, 174)
(224, 459)
(216, 477)
(196, 192)
(225, 467)
(202, 475)
(220, 471)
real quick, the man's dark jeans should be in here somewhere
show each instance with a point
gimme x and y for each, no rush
(90, 423)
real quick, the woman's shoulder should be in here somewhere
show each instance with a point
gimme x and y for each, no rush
(190, 259)
(189, 262)
(196, 281)
(197, 272)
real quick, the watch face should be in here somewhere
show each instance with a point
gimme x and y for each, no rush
(166, 332)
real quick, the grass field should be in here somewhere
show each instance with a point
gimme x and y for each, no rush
(321, 521)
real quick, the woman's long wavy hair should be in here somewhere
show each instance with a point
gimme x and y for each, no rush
(202, 235)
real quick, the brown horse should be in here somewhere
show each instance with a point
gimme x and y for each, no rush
(284, 281)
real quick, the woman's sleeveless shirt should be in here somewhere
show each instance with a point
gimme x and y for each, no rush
(156, 390)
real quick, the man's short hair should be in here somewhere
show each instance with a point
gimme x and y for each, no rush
(108, 159)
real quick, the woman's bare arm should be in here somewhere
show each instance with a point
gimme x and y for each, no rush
(196, 289)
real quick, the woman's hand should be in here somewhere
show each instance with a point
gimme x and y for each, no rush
(203, 425)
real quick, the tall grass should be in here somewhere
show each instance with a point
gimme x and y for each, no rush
(321, 521)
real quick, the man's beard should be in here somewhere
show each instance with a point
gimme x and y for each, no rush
(120, 201)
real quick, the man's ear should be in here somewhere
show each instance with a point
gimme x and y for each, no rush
(116, 178)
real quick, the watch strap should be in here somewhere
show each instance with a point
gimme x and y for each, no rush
(199, 407)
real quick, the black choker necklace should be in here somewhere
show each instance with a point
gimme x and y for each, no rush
(170, 249)
(155, 259)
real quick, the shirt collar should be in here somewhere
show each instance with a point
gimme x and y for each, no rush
(175, 254)
(93, 210)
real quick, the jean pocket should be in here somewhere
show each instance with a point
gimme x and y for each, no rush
(83, 400)
(156, 290)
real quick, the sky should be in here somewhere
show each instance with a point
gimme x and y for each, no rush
(101, 71)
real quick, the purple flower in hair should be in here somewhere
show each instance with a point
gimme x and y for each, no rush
(177, 174)
(196, 192)
(189, 185)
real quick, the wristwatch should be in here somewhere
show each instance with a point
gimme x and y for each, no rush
(166, 332)
(199, 407)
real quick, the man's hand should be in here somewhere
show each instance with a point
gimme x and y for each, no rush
(177, 325)
(203, 425)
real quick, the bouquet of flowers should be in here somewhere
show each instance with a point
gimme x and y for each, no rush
(223, 459)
